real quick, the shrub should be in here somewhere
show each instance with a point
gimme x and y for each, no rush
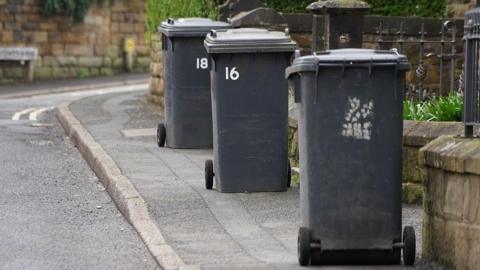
(449, 108)
(289, 6)
(159, 10)
(75, 9)
(421, 8)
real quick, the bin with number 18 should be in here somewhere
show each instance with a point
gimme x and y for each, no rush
(188, 110)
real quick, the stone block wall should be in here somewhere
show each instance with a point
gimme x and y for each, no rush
(156, 71)
(417, 134)
(452, 202)
(459, 7)
(90, 48)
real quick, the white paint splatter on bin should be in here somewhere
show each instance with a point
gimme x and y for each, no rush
(358, 116)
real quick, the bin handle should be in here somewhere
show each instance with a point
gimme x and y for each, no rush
(294, 83)
(395, 82)
(315, 94)
(213, 33)
(344, 67)
(370, 68)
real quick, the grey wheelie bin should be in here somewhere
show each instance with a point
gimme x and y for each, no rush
(250, 110)
(188, 109)
(350, 134)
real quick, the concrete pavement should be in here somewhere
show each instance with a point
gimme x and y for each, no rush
(205, 228)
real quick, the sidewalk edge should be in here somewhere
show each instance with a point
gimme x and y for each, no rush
(126, 197)
(71, 89)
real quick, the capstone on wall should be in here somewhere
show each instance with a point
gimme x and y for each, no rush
(452, 202)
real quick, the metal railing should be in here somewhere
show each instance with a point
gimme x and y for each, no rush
(446, 54)
(471, 114)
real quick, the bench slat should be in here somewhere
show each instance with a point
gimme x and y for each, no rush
(18, 54)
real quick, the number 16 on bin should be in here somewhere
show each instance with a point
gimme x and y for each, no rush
(231, 74)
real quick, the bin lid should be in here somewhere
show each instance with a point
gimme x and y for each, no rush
(190, 27)
(349, 57)
(248, 40)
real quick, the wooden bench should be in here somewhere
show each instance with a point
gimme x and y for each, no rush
(23, 55)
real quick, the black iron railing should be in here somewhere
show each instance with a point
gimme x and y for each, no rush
(445, 52)
(471, 114)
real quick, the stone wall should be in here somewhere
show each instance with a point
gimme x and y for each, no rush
(452, 202)
(157, 85)
(459, 7)
(415, 136)
(93, 47)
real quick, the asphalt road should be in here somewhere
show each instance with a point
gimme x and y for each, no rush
(54, 214)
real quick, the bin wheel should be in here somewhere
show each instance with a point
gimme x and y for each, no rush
(209, 174)
(289, 175)
(161, 135)
(303, 246)
(409, 250)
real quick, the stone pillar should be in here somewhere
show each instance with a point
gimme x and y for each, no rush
(233, 7)
(156, 71)
(260, 18)
(338, 24)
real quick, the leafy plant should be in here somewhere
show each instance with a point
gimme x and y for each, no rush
(421, 8)
(82, 73)
(159, 10)
(449, 108)
(75, 9)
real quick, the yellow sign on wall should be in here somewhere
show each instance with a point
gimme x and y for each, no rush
(129, 45)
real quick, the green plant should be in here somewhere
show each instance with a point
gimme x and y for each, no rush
(82, 73)
(159, 10)
(75, 9)
(289, 6)
(420, 8)
(448, 108)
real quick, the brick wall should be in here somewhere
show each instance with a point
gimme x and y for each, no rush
(93, 47)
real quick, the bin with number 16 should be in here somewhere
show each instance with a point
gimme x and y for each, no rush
(250, 110)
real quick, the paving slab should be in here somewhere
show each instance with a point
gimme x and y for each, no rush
(206, 228)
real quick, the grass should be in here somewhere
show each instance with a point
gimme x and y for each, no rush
(448, 108)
